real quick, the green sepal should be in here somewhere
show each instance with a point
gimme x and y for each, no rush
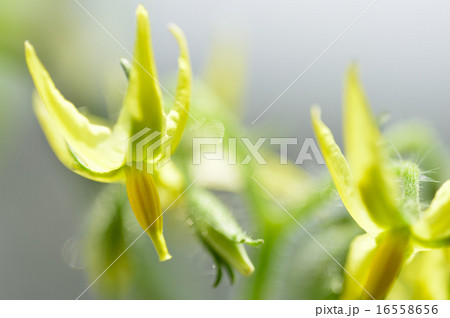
(219, 262)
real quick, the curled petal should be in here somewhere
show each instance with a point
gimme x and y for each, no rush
(179, 114)
(97, 148)
(63, 152)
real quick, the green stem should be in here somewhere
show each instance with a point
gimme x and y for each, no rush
(259, 288)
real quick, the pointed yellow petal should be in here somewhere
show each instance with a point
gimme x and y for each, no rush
(363, 143)
(146, 205)
(359, 260)
(179, 114)
(143, 103)
(340, 172)
(360, 130)
(435, 223)
(62, 151)
(94, 144)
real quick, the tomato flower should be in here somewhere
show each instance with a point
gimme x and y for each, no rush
(382, 196)
(106, 154)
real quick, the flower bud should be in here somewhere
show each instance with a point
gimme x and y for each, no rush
(146, 205)
(219, 231)
(231, 252)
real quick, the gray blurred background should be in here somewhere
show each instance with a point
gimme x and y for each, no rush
(401, 45)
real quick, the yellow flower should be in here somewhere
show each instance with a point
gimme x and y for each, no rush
(388, 210)
(106, 154)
